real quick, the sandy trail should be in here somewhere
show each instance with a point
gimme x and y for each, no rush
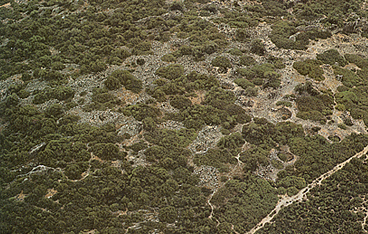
(286, 200)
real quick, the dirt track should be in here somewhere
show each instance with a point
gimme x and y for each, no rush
(286, 200)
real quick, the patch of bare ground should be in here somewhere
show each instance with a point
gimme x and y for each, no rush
(20, 196)
(50, 193)
(199, 98)
(89, 232)
(7, 5)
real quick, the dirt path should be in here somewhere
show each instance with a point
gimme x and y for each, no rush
(286, 200)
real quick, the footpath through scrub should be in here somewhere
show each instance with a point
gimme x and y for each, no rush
(286, 200)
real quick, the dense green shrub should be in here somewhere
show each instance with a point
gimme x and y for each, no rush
(180, 102)
(331, 57)
(55, 110)
(215, 157)
(123, 77)
(141, 111)
(142, 48)
(112, 83)
(235, 51)
(171, 72)
(257, 47)
(243, 83)
(283, 30)
(247, 60)
(348, 77)
(311, 68)
(222, 62)
(357, 60)
(284, 103)
(242, 35)
(168, 58)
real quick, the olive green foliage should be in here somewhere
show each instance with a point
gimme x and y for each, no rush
(232, 142)
(261, 132)
(331, 57)
(247, 60)
(222, 62)
(352, 94)
(106, 189)
(268, 8)
(61, 93)
(277, 62)
(336, 12)
(311, 68)
(180, 102)
(171, 138)
(171, 72)
(264, 135)
(237, 19)
(168, 58)
(284, 103)
(57, 41)
(292, 181)
(264, 74)
(257, 47)
(141, 111)
(329, 204)
(101, 100)
(215, 157)
(123, 77)
(354, 100)
(218, 108)
(107, 151)
(243, 83)
(55, 110)
(357, 60)
(348, 77)
(182, 85)
(142, 48)
(242, 35)
(282, 30)
(244, 202)
(250, 90)
(321, 162)
(313, 105)
(236, 52)
(199, 51)
(277, 164)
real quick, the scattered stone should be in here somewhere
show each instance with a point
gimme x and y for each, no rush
(207, 138)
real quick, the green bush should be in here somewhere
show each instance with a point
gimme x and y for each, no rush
(258, 47)
(106, 151)
(112, 83)
(180, 102)
(357, 60)
(246, 60)
(235, 51)
(348, 77)
(243, 83)
(311, 68)
(141, 111)
(55, 110)
(170, 72)
(284, 103)
(242, 35)
(142, 48)
(168, 58)
(125, 78)
(222, 62)
(331, 57)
